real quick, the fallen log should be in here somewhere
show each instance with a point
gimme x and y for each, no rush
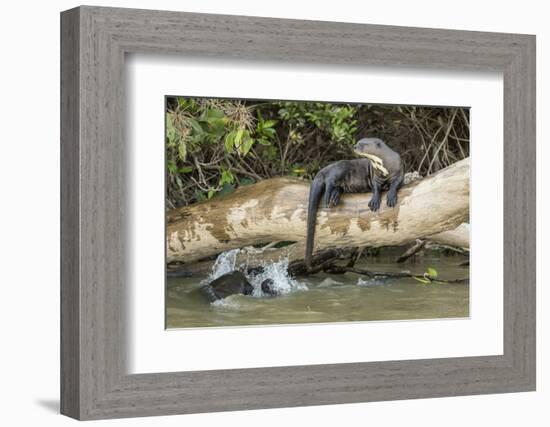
(294, 253)
(458, 237)
(276, 210)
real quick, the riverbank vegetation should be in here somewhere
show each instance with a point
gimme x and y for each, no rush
(215, 146)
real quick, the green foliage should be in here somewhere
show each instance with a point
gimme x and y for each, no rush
(432, 272)
(429, 277)
(214, 146)
(265, 130)
(335, 121)
(226, 178)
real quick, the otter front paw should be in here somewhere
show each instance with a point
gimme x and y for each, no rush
(374, 204)
(391, 200)
(334, 198)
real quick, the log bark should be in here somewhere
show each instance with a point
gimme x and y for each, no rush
(458, 237)
(276, 210)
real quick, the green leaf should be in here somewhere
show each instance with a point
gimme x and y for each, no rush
(211, 193)
(170, 129)
(215, 120)
(171, 166)
(230, 141)
(214, 114)
(238, 137)
(186, 169)
(421, 279)
(182, 151)
(268, 124)
(247, 145)
(226, 178)
(195, 125)
(431, 272)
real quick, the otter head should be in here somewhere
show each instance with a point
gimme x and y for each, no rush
(382, 157)
(267, 287)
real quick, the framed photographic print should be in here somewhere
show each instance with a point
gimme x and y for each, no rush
(276, 213)
(238, 173)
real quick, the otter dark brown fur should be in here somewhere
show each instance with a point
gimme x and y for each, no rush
(233, 283)
(380, 169)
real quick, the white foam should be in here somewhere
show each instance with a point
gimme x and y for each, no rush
(371, 282)
(225, 263)
(277, 271)
(228, 303)
(282, 282)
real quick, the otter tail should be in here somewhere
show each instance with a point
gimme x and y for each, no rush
(315, 193)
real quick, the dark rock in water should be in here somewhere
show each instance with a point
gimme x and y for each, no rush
(231, 284)
(268, 288)
(255, 270)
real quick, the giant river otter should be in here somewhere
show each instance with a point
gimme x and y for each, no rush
(379, 170)
(233, 283)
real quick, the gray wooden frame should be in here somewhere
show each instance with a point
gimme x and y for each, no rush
(94, 382)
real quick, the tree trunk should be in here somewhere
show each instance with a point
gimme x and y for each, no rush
(276, 210)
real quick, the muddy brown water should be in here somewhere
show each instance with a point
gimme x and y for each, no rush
(323, 298)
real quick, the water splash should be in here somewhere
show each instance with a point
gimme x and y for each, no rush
(282, 283)
(229, 303)
(225, 263)
(277, 271)
(372, 282)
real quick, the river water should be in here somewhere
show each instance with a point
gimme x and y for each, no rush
(323, 298)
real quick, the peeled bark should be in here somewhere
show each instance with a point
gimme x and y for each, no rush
(276, 210)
